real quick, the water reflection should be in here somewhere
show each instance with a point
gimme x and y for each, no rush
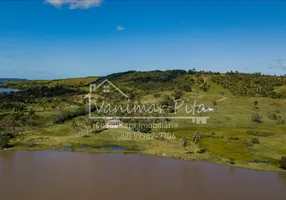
(282, 176)
(49, 175)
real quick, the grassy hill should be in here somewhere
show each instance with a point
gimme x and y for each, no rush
(247, 128)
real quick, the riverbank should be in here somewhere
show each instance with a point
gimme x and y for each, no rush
(216, 148)
(252, 166)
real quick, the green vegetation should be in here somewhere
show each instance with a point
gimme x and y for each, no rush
(255, 85)
(255, 141)
(5, 139)
(282, 163)
(247, 129)
(259, 133)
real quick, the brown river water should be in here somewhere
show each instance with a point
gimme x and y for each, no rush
(51, 175)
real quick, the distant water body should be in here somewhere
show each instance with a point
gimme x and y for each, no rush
(7, 90)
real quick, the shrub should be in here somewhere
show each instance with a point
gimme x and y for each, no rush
(233, 138)
(214, 103)
(32, 112)
(255, 103)
(142, 128)
(69, 114)
(249, 144)
(280, 122)
(259, 133)
(157, 95)
(211, 135)
(172, 109)
(255, 141)
(272, 116)
(86, 136)
(185, 141)
(31, 144)
(186, 87)
(167, 101)
(4, 139)
(277, 111)
(178, 94)
(282, 162)
(256, 118)
(205, 87)
(202, 150)
(231, 161)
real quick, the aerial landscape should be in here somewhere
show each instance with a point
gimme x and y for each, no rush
(106, 94)
(246, 129)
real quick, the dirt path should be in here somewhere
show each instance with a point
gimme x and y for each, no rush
(222, 99)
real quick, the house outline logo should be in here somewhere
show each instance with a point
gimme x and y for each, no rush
(94, 87)
(106, 89)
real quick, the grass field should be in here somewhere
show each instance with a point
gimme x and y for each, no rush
(230, 136)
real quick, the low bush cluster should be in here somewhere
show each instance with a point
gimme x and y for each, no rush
(255, 141)
(256, 117)
(4, 140)
(211, 135)
(233, 138)
(282, 162)
(69, 114)
(259, 133)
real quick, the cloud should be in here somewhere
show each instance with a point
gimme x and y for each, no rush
(120, 28)
(75, 4)
(279, 63)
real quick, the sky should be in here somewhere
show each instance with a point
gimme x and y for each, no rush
(51, 39)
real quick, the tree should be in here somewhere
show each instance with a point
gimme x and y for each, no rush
(255, 103)
(167, 101)
(205, 86)
(196, 137)
(282, 163)
(185, 142)
(256, 117)
(4, 139)
(178, 94)
(255, 141)
(214, 103)
(142, 126)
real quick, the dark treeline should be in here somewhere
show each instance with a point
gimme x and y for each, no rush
(65, 115)
(240, 84)
(144, 82)
(255, 85)
(30, 95)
